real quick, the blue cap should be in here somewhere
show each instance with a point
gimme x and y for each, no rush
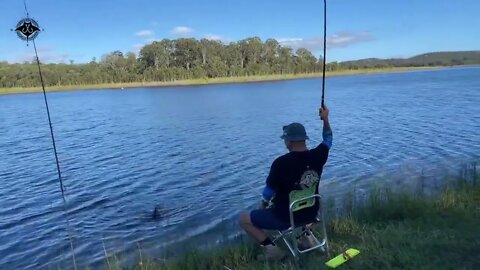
(294, 132)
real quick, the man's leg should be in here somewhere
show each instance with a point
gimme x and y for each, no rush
(257, 233)
(255, 222)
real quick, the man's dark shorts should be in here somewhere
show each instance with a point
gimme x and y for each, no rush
(265, 219)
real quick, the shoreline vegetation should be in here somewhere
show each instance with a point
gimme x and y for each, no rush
(218, 80)
(188, 61)
(392, 230)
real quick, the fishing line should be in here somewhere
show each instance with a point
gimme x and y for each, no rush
(62, 189)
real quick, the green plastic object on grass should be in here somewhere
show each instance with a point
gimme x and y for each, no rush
(342, 258)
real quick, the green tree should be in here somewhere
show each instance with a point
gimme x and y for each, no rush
(306, 61)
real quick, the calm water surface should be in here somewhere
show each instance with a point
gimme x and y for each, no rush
(202, 153)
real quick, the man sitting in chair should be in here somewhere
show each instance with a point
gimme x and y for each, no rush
(299, 169)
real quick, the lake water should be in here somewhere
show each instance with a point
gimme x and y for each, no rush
(202, 153)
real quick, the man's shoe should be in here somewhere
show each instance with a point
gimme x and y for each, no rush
(273, 253)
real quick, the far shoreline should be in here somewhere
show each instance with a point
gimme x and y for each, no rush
(220, 80)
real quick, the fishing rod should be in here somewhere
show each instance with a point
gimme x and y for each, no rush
(28, 29)
(324, 50)
(324, 58)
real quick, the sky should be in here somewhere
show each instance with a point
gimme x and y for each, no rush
(80, 30)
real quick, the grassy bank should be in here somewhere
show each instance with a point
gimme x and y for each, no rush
(222, 80)
(392, 231)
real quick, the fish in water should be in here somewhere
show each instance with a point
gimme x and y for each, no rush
(158, 212)
(165, 212)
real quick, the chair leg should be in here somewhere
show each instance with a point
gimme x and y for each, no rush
(285, 236)
(324, 229)
(290, 248)
(295, 244)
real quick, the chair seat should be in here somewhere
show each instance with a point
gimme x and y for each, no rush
(302, 224)
(291, 232)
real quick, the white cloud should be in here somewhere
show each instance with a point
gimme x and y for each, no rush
(345, 39)
(46, 54)
(145, 33)
(338, 40)
(217, 38)
(213, 37)
(150, 40)
(44, 58)
(182, 31)
(138, 47)
(289, 40)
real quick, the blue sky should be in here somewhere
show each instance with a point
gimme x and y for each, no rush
(82, 29)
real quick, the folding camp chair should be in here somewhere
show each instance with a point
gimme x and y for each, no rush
(302, 199)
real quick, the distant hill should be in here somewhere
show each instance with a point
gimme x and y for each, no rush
(427, 59)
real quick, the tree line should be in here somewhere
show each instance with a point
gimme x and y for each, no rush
(170, 60)
(188, 58)
(422, 60)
